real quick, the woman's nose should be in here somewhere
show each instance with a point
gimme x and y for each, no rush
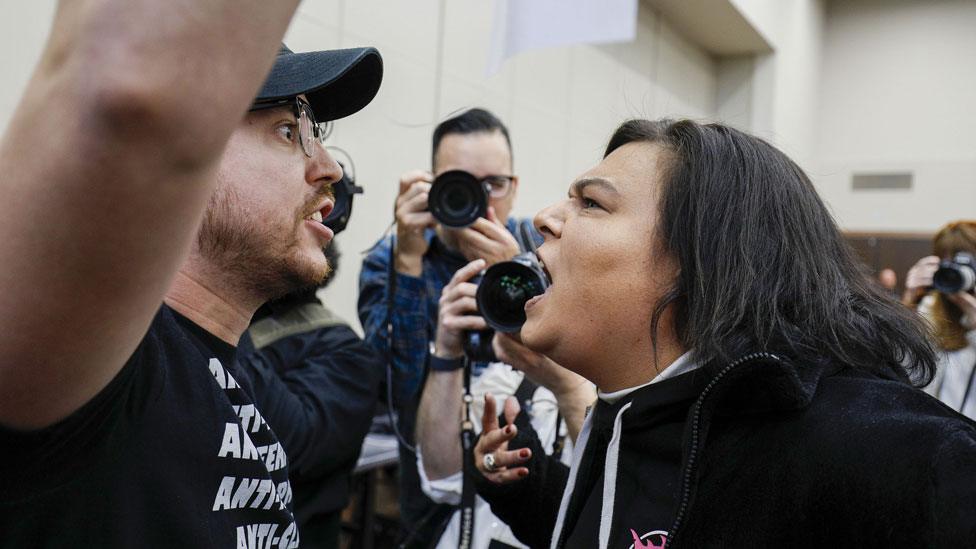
(549, 221)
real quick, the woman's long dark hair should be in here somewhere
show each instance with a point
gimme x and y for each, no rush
(762, 263)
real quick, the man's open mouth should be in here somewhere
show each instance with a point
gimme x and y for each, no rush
(322, 212)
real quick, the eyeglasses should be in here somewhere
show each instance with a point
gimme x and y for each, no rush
(309, 130)
(498, 186)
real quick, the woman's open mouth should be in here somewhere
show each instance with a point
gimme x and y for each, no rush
(532, 302)
(545, 271)
(536, 299)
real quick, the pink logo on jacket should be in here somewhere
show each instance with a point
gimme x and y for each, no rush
(650, 540)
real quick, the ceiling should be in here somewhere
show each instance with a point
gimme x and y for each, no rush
(716, 26)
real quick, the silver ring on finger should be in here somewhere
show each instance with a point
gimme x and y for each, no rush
(489, 463)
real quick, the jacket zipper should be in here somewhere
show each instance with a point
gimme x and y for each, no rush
(689, 467)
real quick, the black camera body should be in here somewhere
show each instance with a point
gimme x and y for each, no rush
(956, 275)
(343, 192)
(477, 345)
(457, 199)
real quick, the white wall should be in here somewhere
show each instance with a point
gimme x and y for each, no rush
(561, 105)
(784, 83)
(23, 30)
(899, 93)
(851, 85)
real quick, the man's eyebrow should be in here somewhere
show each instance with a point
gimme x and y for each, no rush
(580, 184)
(274, 112)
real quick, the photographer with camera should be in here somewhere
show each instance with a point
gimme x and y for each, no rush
(546, 392)
(940, 288)
(441, 227)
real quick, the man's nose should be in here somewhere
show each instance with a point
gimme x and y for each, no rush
(323, 169)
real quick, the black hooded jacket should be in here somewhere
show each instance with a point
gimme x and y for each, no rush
(765, 453)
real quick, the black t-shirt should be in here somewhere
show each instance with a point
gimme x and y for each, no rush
(172, 453)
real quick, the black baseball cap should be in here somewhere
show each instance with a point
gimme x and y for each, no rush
(337, 83)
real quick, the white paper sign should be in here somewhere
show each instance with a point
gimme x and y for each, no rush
(522, 25)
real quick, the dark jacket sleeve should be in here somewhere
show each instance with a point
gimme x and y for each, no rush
(953, 490)
(528, 506)
(318, 391)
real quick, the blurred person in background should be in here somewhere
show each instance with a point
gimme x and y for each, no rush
(888, 280)
(952, 317)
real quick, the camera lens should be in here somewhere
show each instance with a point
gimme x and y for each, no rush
(457, 199)
(954, 277)
(504, 290)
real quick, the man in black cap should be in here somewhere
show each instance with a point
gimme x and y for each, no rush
(147, 213)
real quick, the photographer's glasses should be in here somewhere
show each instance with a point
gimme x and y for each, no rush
(310, 132)
(498, 186)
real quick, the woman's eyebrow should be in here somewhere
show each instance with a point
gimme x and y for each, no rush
(581, 184)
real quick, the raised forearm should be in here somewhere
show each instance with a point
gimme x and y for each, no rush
(181, 68)
(439, 424)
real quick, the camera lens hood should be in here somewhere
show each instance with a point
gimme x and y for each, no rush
(955, 275)
(457, 199)
(504, 289)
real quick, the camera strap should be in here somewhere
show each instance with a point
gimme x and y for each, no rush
(465, 535)
(969, 388)
(526, 236)
(391, 278)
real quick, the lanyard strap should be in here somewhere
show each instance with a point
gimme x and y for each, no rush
(969, 389)
(467, 469)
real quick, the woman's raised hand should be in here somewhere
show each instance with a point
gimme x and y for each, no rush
(491, 455)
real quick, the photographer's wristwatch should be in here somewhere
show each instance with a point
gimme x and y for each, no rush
(439, 364)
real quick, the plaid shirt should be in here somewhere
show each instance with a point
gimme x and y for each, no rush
(414, 307)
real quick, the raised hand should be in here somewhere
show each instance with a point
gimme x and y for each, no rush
(506, 464)
(487, 239)
(919, 279)
(412, 220)
(457, 311)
